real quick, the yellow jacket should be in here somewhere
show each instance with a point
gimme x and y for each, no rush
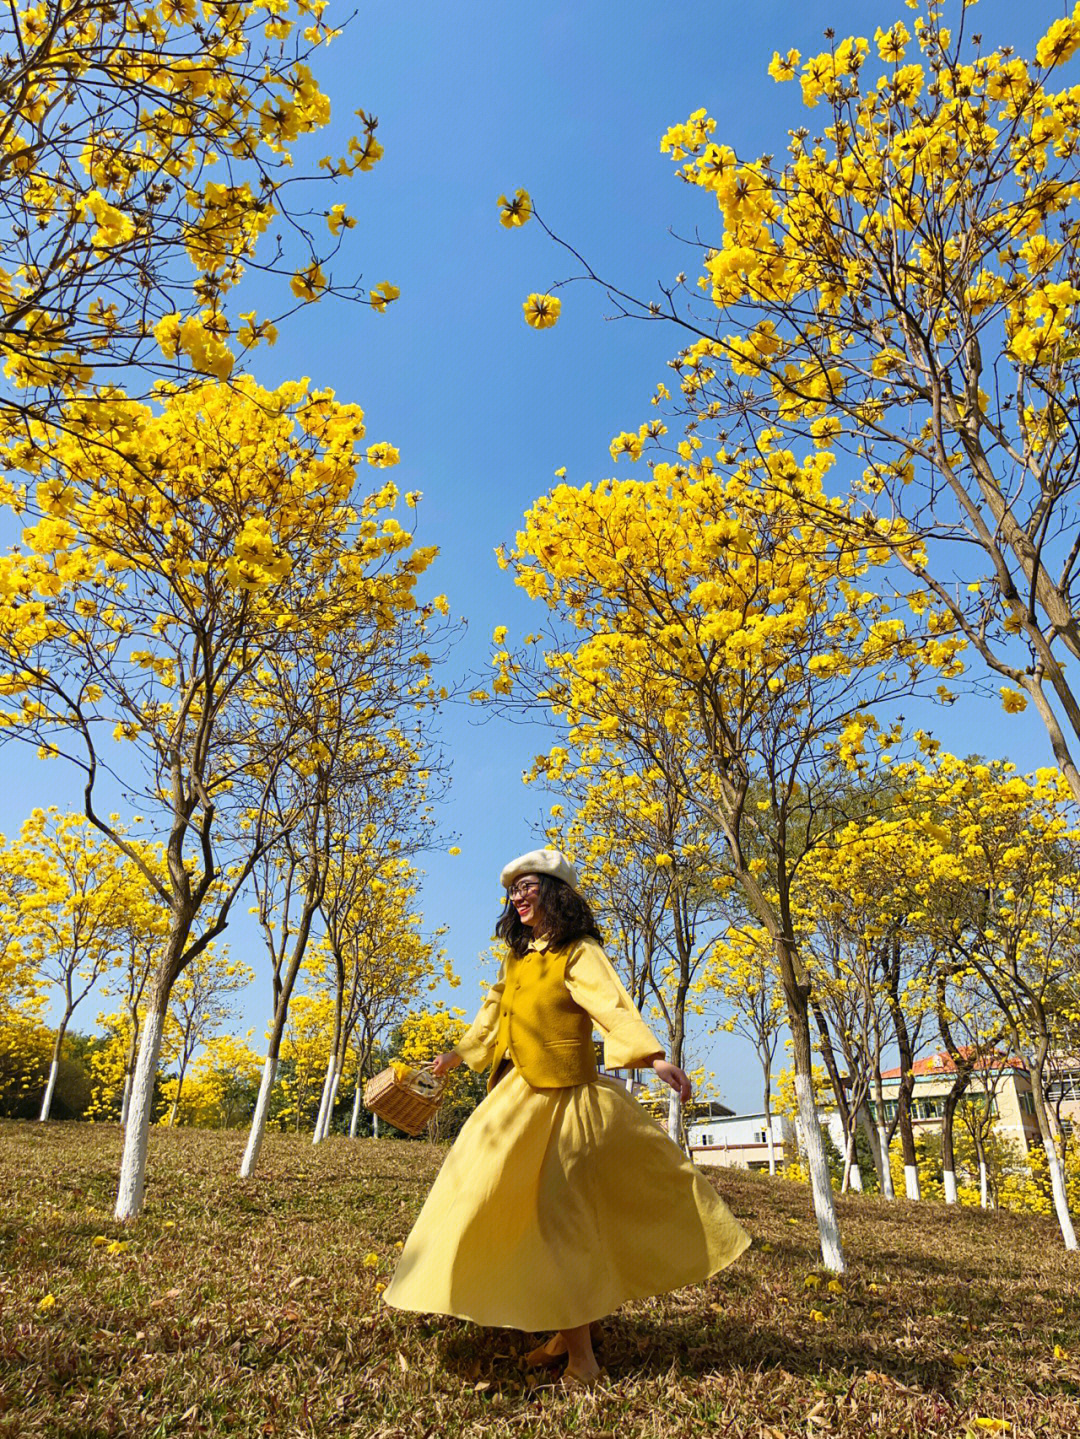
(542, 1010)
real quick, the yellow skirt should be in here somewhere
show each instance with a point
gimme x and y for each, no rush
(556, 1206)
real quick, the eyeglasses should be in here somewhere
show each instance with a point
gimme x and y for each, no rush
(524, 887)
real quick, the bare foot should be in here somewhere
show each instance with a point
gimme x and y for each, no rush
(547, 1353)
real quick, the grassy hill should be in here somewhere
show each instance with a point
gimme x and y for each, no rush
(253, 1309)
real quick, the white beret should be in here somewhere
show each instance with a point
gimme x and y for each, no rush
(540, 861)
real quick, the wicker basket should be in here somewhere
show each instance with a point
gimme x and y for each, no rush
(406, 1104)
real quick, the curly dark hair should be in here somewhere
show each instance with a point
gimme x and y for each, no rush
(567, 917)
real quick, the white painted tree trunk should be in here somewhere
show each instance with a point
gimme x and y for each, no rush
(354, 1122)
(328, 1084)
(46, 1103)
(770, 1140)
(374, 1125)
(832, 1253)
(911, 1182)
(886, 1168)
(674, 1114)
(258, 1119)
(852, 1172)
(948, 1177)
(984, 1186)
(872, 1140)
(1061, 1199)
(125, 1103)
(328, 1117)
(129, 1194)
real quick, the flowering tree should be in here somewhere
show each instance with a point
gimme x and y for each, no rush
(1006, 847)
(69, 913)
(147, 152)
(900, 286)
(143, 613)
(699, 605)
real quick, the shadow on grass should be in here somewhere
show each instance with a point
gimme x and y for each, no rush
(681, 1347)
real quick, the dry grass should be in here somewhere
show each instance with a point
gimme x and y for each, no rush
(246, 1309)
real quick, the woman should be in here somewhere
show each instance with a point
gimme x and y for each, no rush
(561, 1198)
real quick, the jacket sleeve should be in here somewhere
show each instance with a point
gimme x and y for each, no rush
(593, 983)
(476, 1046)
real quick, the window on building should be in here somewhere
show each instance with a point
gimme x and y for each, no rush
(1066, 1087)
(1027, 1103)
(932, 1107)
(760, 1136)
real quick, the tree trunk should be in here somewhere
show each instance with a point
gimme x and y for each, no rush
(125, 1102)
(54, 1069)
(129, 1195)
(1053, 1159)
(907, 1075)
(883, 1143)
(324, 1101)
(374, 1125)
(176, 1097)
(948, 1153)
(258, 1119)
(354, 1122)
(771, 1142)
(872, 1140)
(828, 1056)
(832, 1252)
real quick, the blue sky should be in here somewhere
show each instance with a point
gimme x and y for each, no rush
(568, 100)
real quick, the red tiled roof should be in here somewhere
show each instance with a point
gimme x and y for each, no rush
(941, 1063)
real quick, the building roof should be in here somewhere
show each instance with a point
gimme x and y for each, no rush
(942, 1063)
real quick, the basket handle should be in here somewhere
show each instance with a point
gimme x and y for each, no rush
(439, 1079)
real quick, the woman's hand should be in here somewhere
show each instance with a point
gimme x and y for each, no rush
(443, 1063)
(674, 1077)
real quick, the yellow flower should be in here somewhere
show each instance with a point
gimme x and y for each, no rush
(783, 67)
(627, 444)
(1012, 701)
(835, 1287)
(1060, 1353)
(46, 1303)
(993, 1426)
(306, 284)
(812, 1281)
(454, 849)
(371, 1261)
(382, 455)
(118, 1246)
(542, 311)
(383, 295)
(818, 1317)
(560, 474)
(517, 211)
(338, 218)
(98, 1240)
(1059, 43)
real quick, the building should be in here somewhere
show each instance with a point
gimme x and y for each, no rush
(1002, 1080)
(737, 1141)
(1063, 1089)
